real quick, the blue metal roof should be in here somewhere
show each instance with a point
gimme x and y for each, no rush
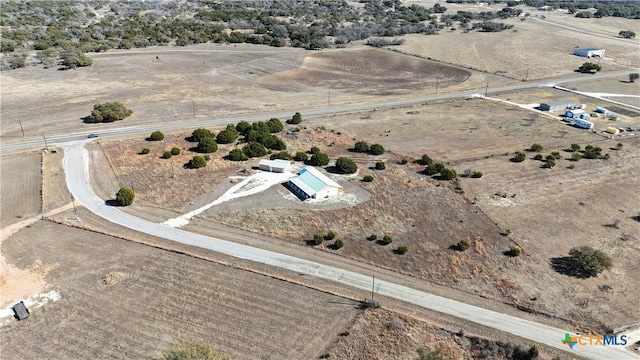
(312, 181)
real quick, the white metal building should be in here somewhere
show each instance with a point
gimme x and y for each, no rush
(312, 184)
(589, 52)
(556, 105)
(278, 165)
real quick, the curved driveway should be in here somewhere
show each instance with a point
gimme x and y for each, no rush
(76, 164)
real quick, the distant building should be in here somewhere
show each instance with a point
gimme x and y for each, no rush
(556, 105)
(312, 184)
(20, 310)
(577, 114)
(589, 52)
(277, 165)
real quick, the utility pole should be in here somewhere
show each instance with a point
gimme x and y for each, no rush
(437, 83)
(486, 90)
(194, 108)
(45, 141)
(21, 128)
(526, 77)
(373, 284)
(329, 98)
(75, 212)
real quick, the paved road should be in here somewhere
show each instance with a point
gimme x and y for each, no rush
(76, 164)
(130, 130)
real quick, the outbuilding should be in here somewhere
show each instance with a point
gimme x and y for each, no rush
(20, 310)
(556, 105)
(577, 114)
(312, 184)
(589, 52)
(278, 165)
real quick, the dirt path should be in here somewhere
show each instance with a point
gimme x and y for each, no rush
(16, 284)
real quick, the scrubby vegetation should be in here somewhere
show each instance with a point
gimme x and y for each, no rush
(125, 196)
(108, 112)
(583, 262)
(156, 136)
(345, 165)
(193, 352)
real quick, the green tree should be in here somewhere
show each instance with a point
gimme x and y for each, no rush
(514, 251)
(254, 149)
(330, 235)
(476, 174)
(125, 196)
(199, 134)
(376, 149)
(448, 174)
(346, 165)
(275, 125)
(301, 156)
(589, 67)
(108, 112)
(633, 77)
(425, 160)
(196, 162)
(194, 352)
(387, 239)
(367, 178)
(145, 151)
(361, 147)
(237, 155)
(243, 127)
(295, 119)
(166, 155)
(318, 239)
(627, 34)
(319, 159)
(588, 262)
(462, 245)
(402, 249)
(156, 136)
(207, 145)
(380, 165)
(338, 244)
(175, 150)
(226, 136)
(281, 155)
(592, 152)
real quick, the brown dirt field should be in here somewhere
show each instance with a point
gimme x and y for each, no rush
(378, 72)
(55, 192)
(164, 299)
(20, 186)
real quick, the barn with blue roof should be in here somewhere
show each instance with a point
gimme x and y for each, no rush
(312, 184)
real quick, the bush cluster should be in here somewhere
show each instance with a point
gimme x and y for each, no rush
(295, 119)
(364, 147)
(345, 165)
(156, 136)
(108, 112)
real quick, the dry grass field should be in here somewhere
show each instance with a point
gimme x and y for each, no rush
(163, 299)
(20, 186)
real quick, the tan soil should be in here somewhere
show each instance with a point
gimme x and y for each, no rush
(20, 186)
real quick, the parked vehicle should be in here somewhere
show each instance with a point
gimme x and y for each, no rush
(93, 136)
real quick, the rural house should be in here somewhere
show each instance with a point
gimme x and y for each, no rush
(278, 165)
(589, 52)
(312, 184)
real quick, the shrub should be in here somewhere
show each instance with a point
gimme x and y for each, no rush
(330, 235)
(633, 77)
(387, 239)
(237, 155)
(576, 156)
(380, 165)
(314, 150)
(156, 136)
(207, 157)
(589, 262)
(196, 162)
(275, 125)
(175, 150)
(361, 147)
(145, 151)
(550, 163)
(367, 178)
(166, 154)
(513, 251)
(376, 149)
(125, 196)
(619, 146)
(535, 147)
(226, 137)
(108, 112)
(519, 157)
(592, 152)
(425, 160)
(319, 159)
(372, 237)
(425, 354)
(538, 157)
(254, 149)
(556, 155)
(476, 174)
(589, 67)
(207, 145)
(462, 245)
(401, 250)
(295, 119)
(448, 174)
(301, 156)
(533, 352)
(404, 160)
(338, 244)
(575, 147)
(345, 165)
(243, 127)
(317, 239)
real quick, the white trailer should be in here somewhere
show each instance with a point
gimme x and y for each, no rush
(585, 124)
